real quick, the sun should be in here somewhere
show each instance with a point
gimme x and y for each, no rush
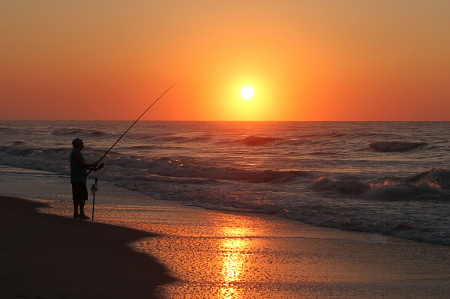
(247, 92)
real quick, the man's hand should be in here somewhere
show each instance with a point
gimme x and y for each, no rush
(95, 168)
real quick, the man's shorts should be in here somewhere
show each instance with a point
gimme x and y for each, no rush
(79, 191)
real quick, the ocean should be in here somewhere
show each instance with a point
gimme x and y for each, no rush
(374, 177)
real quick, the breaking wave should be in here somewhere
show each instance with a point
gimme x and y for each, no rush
(343, 187)
(430, 185)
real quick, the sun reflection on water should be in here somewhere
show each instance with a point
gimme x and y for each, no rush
(234, 257)
(232, 260)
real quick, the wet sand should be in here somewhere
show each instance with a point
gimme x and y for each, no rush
(49, 256)
(224, 255)
(235, 255)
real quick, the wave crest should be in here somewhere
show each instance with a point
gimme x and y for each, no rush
(256, 141)
(438, 177)
(430, 185)
(395, 146)
(68, 131)
(343, 187)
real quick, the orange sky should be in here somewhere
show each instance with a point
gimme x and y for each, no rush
(307, 60)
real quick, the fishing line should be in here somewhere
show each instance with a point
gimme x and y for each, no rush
(131, 127)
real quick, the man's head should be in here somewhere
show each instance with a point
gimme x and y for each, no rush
(77, 143)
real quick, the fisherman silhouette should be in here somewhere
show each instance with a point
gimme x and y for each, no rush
(78, 173)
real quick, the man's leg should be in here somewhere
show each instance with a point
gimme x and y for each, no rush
(80, 193)
(75, 208)
(82, 202)
(82, 215)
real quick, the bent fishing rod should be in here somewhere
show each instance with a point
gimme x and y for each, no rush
(131, 126)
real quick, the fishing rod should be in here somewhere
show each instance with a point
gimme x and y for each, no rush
(130, 128)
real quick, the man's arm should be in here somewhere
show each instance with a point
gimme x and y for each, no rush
(81, 163)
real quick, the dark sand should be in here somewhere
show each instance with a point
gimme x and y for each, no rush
(48, 256)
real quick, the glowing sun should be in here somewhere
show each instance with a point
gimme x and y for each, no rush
(247, 92)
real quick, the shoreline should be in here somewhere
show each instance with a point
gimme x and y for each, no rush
(50, 256)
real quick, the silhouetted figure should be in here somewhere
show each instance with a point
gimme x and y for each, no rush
(78, 172)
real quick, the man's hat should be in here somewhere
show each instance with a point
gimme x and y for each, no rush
(76, 141)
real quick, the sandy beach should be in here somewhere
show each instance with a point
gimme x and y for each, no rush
(48, 256)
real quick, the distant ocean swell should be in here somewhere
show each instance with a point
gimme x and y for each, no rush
(81, 132)
(395, 146)
(381, 146)
(250, 140)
